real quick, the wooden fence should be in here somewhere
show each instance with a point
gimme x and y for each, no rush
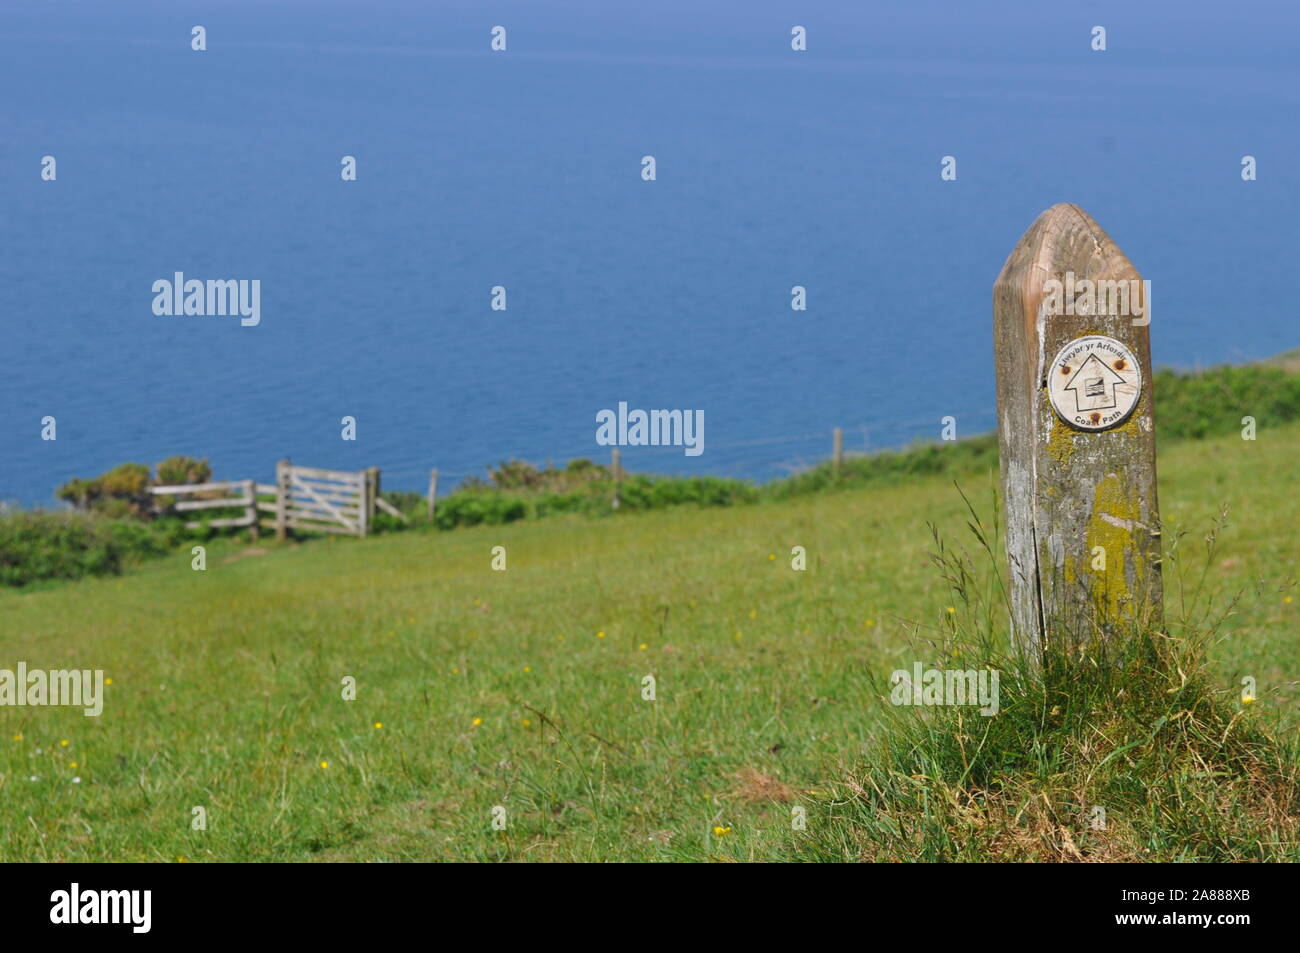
(229, 494)
(307, 499)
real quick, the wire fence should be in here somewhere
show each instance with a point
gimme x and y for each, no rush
(983, 420)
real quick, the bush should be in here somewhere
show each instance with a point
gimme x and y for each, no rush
(178, 471)
(553, 504)
(122, 491)
(80, 493)
(127, 481)
(956, 458)
(652, 493)
(521, 475)
(472, 507)
(43, 545)
(1206, 403)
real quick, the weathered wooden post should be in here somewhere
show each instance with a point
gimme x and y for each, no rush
(369, 494)
(250, 511)
(615, 471)
(282, 500)
(433, 492)
(837, 451)
(1076, 435)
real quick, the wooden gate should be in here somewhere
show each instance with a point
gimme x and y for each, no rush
(323, 501)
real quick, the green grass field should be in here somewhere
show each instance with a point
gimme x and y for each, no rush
(523, 688)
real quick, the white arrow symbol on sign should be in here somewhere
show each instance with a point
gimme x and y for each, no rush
(1097, 383)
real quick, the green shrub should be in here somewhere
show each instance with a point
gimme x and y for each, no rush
(1206, 403)
(553, 504)
(122, 491)
(521, 475)
(650, 493)
(126, 481)
(179, 471)
(80, 493)
(954, 458)
(472, 507)
(44, 545)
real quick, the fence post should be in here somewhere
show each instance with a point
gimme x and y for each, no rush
(616, 471)
(250, 513)
(1076, 435)
(282, 500)
(837, 455)
(369, 494)
(433, 492)
(363, 505)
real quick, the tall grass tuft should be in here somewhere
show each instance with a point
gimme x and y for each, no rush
(1118, 751)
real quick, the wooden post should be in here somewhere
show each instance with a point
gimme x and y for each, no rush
(282, 500)
(837, 456)
(250, 513)
(433, 492)
(616, 471)
(1076, 435)
(368, 497)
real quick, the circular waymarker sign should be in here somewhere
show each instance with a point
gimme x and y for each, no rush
(1094, 383)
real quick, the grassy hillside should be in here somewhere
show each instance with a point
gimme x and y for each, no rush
(522, 688)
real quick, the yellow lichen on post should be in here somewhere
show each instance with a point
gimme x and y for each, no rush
(1060, 443)
(1115, 515)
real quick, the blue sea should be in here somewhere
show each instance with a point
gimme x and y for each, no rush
(522, 169)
